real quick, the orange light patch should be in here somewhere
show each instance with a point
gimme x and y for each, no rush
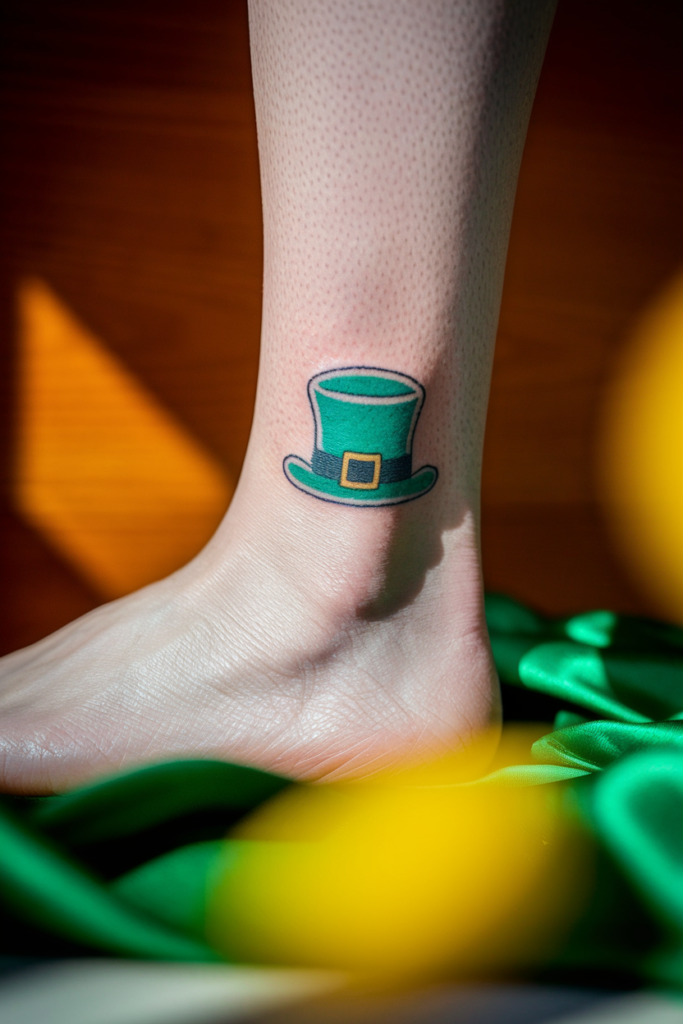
(114, 482)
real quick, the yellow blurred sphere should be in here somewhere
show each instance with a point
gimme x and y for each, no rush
(641, 459)
(402, 875)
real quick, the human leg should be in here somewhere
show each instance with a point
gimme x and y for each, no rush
(313, 637)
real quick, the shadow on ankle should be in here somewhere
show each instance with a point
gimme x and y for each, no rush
(415, 548)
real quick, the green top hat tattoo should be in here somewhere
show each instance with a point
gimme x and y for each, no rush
(365, 419)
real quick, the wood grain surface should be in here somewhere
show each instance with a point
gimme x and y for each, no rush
(129, 183)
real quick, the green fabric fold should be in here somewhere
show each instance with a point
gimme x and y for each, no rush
(579, 674)
(189, 873)
(636, 809)
(595, 745)
(49, 890)
(140, 798)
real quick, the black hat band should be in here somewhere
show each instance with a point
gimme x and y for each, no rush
(361, 470)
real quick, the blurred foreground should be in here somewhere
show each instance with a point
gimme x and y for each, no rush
(554, 859)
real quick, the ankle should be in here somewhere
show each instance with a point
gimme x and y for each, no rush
(354, 565)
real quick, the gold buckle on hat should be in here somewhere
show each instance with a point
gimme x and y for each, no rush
(360, 457)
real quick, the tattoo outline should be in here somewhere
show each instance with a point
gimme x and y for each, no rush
(365, 419)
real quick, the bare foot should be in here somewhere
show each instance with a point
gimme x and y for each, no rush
(307, 638)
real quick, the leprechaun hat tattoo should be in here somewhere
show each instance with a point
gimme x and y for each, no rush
(365, 420)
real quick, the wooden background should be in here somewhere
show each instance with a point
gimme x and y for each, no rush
(129, 183)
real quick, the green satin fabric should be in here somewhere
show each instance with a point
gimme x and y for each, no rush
(619, 732)
(126, 865)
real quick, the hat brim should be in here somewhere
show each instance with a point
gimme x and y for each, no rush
(302, 476)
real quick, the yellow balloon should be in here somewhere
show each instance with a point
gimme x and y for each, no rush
(641, 452)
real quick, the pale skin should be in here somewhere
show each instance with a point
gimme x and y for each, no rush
(309, 638)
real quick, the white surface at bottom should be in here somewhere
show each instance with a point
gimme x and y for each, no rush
(130, 992)
(634, 1008)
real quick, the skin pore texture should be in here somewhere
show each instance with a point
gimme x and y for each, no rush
(310, 638)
